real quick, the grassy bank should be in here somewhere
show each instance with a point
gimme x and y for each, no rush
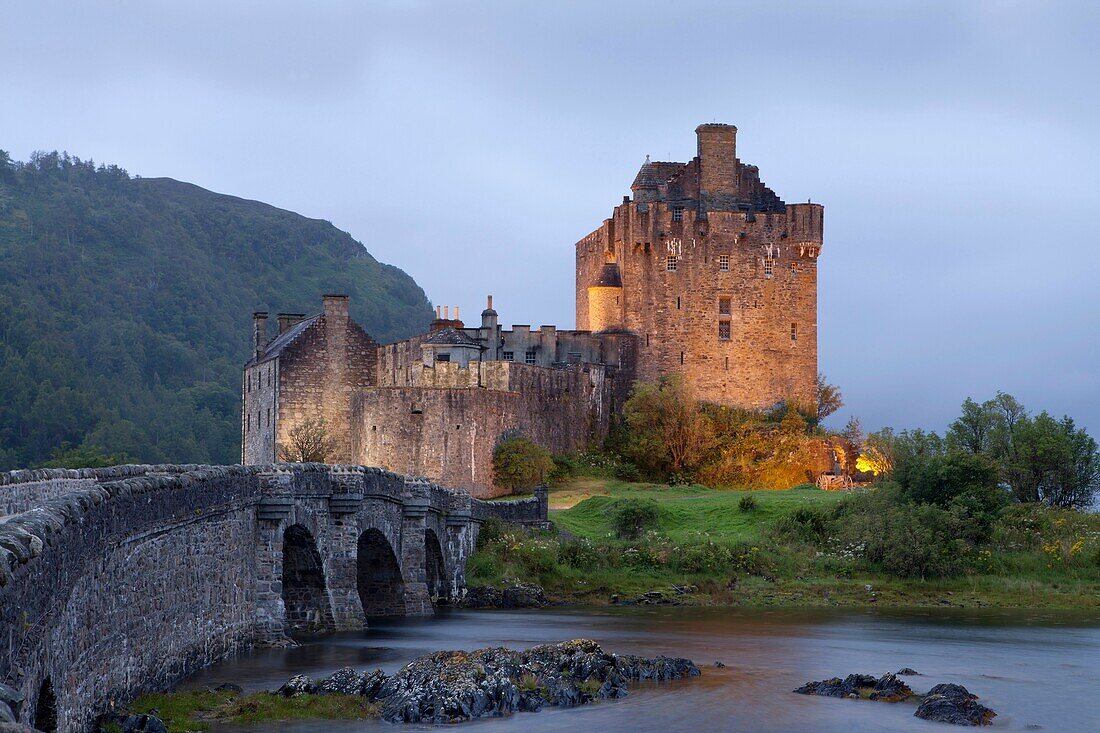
(783, 548)
(195, 710)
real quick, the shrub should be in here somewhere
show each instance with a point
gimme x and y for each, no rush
(492, 529)
(482, 567)
(631, 517)
(536, 558)
(582, 555)
(705, 557)
(747, 504)
(905, 540)
(804, 524)
(520, 463)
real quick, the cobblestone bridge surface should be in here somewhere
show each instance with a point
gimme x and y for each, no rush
(120, 580)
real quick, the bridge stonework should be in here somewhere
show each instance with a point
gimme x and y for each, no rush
(122, 580)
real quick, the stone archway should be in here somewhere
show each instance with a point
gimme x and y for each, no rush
(378, 576)
(45, 708)
(435, 569)
(304, 593)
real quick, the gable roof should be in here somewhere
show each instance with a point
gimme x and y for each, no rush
(282, 341)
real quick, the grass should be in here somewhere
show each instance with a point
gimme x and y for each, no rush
(733, 557)
(687, 513)
(195, 710)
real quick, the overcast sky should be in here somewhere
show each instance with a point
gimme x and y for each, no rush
(955, 146)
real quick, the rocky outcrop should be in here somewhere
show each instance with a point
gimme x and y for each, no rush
(517, 595)
(887, 688)
(944, 703)
(449, 687)
(950, 703)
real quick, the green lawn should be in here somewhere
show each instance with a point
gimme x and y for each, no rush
(687, 513)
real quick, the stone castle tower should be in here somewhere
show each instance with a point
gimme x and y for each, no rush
(715, 274)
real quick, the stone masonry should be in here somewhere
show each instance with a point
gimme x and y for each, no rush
(123, 580)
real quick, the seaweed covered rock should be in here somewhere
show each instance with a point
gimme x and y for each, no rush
(950, 703)
(887, 688)
(448, 687)
(297, 685)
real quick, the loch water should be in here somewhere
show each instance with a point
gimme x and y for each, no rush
(1038, 670)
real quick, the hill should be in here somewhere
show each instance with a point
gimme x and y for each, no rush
(126, 307)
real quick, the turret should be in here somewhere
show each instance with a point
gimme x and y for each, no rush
(605, 298)
(717, 146)
(489, 335)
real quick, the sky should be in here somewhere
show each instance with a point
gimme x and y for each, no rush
(955, 146)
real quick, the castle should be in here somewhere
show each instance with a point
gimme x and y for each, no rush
(703, 271)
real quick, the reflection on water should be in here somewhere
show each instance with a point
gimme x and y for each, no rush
(1032, 668)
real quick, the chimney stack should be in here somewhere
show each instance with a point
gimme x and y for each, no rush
(259, 333)
(336, 307)
(456, 312)
(287, 321)
(446, 313)
(717, 145)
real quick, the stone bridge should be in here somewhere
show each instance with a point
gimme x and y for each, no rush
(122, 580)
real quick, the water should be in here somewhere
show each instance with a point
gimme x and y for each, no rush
(1034, 669)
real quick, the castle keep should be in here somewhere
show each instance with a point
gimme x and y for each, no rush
(714, 273)
(704, 271)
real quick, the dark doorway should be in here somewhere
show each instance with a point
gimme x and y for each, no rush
(435, 569)
(45, 710)
(303, 580)
(381, 588)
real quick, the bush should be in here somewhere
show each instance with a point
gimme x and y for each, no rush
(747, 504)
(492, 529)
(631, 517)
(702, 558)
(903, 539)
(582, 555)
(520, 463)
(804, 524)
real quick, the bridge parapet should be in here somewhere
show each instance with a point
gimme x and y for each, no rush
(119, 580)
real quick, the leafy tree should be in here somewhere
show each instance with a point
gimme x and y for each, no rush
(1052, 461)
(69, 456)
(829, 398)
(668, 433)
(521, 463)
(310, 441)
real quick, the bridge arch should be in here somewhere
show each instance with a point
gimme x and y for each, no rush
(45, 708)
(378, 577)
(304, 590)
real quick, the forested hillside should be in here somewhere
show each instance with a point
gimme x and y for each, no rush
(125, 307)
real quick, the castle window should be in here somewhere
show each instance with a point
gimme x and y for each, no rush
(681, 358)
(442, 357)
(724, 306)
(677, 213)
(507, 356)
(723, 263)
(723, 330)
(794, 268)
(769, 266)
(647, 339)
(794, 334)
(529, 357)
(677, 302)
(727, 363)
(269, 417)
(247, 421)
(670, 263)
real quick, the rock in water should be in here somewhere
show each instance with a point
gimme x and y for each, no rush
(850, 686)
(890, 689)
(524, 595)
(950, 703)
(482, 596)
(908, 672)
(344, 681)
(143, 724)
(372, 683)
(448, 687)
(297, 685)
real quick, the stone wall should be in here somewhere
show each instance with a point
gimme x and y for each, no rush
(137, 576)
(449, 432)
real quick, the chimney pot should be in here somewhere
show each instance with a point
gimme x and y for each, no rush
(446, 313)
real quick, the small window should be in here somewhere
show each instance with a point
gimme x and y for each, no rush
(723, 263)
(508, 356)
(677, 213)
(529, 357)
(575, 357)
(724, 330)
(269, 371)
(247, 421)
(724, 306)
(670, 263)
(677, 302)
(269, 417)
(794, 333)
(794, 268)
(681, 358)
(769, 267)
(442, 357)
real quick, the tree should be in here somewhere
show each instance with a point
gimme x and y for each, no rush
(669, 434)
(972, 431)
(829, 398)
(853, 433)
(520, 463)
(1052, 461)
(310, 441)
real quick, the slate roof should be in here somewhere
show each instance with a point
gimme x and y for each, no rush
(283, 340)
(450, 336)
(609, 277)
(654, 173)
